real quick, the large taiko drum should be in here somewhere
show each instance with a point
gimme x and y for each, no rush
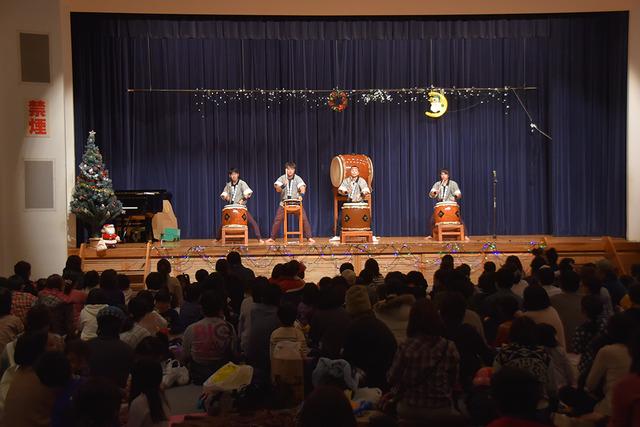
(446, 213)
(234, 216)
(341, 165)
(356, 217)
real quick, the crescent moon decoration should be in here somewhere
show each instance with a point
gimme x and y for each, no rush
(437, 104)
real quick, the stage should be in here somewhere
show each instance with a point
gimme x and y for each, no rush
(323, 258)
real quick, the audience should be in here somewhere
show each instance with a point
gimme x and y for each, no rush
(90, 342)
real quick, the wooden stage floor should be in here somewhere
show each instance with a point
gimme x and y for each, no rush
(323, 258)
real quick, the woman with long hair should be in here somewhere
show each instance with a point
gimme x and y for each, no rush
(147, 405)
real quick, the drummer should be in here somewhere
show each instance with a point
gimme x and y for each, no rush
(355, 188)
(237, 192)
(445, 190)
(290, 186)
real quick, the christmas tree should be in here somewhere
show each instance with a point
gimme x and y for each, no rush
(93, 200)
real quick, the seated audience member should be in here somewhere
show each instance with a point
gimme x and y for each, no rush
(287, 332)
(625, 400)
(369, 344)
(77, 352)
(240, 278)
(152, 321)
(607, 274)
(28, 402)
(109, 284)
(73, 269)
(306, 307)
(346, 266)
(611, 364)
(516, 393)
(132, 332)
(567, 304)
(148, 406)
(507, 309)
(201, 277)
(350, 277)
(417, 284)
(327, 406)
(474, 353)
(97, 404)
(211, 342)
(425, 366)
(519, 276)
(633, 311)
(394, 307)
(591, 284)
(562, 369)
(372, 266)
(486, 288)
(54, 371)
(163, 307)
(289, 280)
(264, 320)
(523, 352)
(90, 281)
(76, 297)
(10, 326)
(256, 291)
(169, 282)
(191, 312)
(547, 279)
(109, 357)
(124, 284)
(538, 308)
(330, 320)
(21, 301)
(505, 278)
(59, 304)
(88, 322)
(587, 332)
(552, 257)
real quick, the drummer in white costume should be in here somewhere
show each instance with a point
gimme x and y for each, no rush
(445, 190)
(355, 188)
(237, 192)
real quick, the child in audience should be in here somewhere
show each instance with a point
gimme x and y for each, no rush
(163, 307)
(310, 295)
(562, 370)
(133, 333)
(152, 321)
(124, 284)
(190, 312)
(287, 332)
(148, 405)
(97, 403)
(10, 325)
(587, 332)
(88, 324)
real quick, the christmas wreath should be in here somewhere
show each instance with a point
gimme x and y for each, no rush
(338, 100)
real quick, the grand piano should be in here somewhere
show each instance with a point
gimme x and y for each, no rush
(138, 210)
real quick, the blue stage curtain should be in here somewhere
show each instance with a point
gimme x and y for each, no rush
(573, 185)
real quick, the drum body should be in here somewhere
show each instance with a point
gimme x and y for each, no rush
(356, 217)
(292, 202)
(341, 165)
(234, 216)
(446, 213)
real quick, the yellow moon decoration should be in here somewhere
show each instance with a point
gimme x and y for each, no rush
(437, 104)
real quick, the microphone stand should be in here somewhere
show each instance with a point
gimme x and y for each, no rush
(495, 205)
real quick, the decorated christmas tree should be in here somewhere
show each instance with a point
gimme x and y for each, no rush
(93, 200)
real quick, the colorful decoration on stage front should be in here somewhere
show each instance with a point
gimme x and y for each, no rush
(437, 104)
(93, 200)
(338, 100)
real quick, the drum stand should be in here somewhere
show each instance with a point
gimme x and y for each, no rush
(293, 210)
(347, 236)
(235, 233)
(440, 231)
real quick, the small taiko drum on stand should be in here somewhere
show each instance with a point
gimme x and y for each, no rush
(292, 203)
(446, 213)
(234, 216)
(356, 217)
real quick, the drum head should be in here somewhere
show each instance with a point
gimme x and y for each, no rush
(336, 171)
(235, 206)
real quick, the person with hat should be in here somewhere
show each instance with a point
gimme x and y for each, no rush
(110, 358)
(369, 344)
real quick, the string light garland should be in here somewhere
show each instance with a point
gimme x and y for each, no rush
(337, 255)
(320, 98)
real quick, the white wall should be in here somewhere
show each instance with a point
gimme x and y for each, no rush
(36, 236)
